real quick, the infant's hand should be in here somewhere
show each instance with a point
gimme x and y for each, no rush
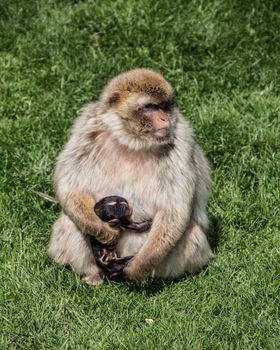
(114, 223)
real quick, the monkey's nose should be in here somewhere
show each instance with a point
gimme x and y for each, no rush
(160, 120)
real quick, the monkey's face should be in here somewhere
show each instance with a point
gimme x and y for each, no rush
(148, 120)
(143, 116)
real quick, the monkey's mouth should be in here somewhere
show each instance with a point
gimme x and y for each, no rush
(161, 133)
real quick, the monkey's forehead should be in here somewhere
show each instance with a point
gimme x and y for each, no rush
(140, 80)
(112, 198)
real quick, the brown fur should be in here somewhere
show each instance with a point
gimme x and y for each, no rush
(115, 149)
(135, 82)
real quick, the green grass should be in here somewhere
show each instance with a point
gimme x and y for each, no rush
(222, 57)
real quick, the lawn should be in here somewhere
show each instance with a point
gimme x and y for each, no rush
(222, 57)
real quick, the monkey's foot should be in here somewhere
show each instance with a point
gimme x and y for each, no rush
(93, 279)
(107, 259)
(113, 267)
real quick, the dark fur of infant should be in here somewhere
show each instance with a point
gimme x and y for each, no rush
(116, 211)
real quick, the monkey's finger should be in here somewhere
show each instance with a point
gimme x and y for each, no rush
(111, 268)
(115, 270)
(124, 259)
(116, 274)
(138, 226)
(114, 222)
(114, 267)
(114, 262)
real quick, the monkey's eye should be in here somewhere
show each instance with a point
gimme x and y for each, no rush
(167, 106)
(150, 107)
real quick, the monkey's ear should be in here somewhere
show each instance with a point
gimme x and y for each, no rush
(113, 98)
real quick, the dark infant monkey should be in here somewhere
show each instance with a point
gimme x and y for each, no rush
(116, 211)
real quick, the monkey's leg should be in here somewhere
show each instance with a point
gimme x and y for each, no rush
(197, 250)
(68, 246)
(191, 254)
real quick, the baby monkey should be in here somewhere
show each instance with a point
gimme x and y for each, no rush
(116, 211)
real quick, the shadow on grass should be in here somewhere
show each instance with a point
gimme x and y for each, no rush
(148, 287)
(214, 232)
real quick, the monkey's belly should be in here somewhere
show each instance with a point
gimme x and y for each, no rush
(130, 243)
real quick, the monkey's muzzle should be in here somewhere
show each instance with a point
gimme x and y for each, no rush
(162, 133)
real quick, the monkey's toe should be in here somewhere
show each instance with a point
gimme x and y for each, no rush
(93, 279)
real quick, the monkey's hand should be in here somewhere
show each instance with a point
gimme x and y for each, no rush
(137, 226)
(108, 234)
(132, 271)
(80, 210)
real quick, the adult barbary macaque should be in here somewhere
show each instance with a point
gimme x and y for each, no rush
(134, 142)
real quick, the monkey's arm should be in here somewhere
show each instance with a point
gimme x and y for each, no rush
(73, 177)
(167, 228)
(79, 207)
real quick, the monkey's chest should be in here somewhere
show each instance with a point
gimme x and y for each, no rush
(134, 180)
